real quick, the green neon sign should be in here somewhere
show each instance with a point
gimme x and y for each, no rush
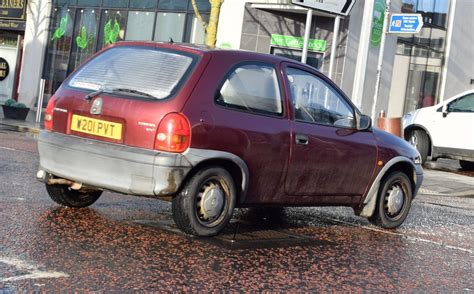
(61, 30)
(297, 42)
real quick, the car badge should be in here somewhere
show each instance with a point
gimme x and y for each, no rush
(96, 107)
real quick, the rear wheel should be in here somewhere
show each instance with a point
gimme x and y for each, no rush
(467, 165)
(393, 201)
(206, 203)
(64, 195)
(419, 139)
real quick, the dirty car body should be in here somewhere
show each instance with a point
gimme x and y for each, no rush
(211, 130)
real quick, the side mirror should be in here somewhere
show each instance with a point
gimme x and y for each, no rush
(364, 122)
(445, 110)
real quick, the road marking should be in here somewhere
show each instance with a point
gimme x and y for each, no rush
(404, 236)
(6, 148)
(33, 271)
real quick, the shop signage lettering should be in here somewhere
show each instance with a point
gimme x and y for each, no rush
(4, 69)
(297, 42)
(12, 25)
(13, 9)
(377, 23)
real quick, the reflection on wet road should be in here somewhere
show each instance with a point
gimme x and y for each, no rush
(127, 243)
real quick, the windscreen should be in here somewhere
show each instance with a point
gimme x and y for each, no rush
(149, 70)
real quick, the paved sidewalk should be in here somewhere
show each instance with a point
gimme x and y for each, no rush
(436, 183)
(28, 125)
(441, 183)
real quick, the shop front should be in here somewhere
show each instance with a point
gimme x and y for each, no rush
(79, 28)
(12, 28)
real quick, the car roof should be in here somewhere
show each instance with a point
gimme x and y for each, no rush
(205, 50)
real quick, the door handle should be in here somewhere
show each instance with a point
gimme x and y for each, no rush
(301, 139)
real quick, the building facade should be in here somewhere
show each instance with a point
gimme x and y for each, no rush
(418, 69)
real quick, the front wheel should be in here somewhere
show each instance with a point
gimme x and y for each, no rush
(466, 165)
(206, 203)
(393, 201)
(419, 139)
(64, 195)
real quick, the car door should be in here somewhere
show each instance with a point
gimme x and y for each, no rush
(328, 156)
(454, 128)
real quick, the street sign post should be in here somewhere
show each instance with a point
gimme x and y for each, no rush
(405, 23)
(339, 7)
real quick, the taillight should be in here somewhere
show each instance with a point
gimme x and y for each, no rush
(174, 133)
(48, 115)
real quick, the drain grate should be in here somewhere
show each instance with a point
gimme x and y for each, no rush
(239, 235)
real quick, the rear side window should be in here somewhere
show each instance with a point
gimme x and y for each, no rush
(252, 88)
(153, 71)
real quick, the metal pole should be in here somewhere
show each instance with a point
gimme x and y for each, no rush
(307, 30)
(335, 35)
(381, 53)
(39, 106)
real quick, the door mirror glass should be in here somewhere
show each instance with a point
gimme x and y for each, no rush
(364, 122)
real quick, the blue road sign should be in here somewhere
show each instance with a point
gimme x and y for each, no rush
(404, 23)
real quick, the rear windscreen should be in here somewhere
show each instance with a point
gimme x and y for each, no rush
(152, 71)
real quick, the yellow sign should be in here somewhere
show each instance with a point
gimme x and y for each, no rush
(96, 127)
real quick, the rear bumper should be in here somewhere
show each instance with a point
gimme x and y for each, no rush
(119, 168)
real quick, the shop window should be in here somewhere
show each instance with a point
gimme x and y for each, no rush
(115, 3)
(65, 2)
(143, 4)
(57, 59)
(89, 3)
(202, 5)
(86, 30)
(173, 4)
(140, 25)
(112, 27)
(169, 25)
(195, 33)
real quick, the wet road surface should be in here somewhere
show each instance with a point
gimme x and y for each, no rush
(128, 243)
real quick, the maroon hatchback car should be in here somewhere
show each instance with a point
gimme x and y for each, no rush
(211, 130)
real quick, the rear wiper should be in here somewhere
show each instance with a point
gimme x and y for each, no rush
(89, 96)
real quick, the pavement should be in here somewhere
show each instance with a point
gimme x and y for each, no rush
(440, 178)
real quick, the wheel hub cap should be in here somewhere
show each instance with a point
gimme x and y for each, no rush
(414, 140)
(395, 200)
(212, 202)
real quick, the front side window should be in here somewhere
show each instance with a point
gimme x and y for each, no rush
(464, 104)
(253, 88)
(151, 71)
(317, 102)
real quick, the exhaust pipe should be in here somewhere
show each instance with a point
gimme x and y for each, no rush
(47, 178)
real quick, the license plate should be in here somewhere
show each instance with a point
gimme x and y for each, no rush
(97, 127)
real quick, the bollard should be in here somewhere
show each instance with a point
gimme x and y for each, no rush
(391, 125)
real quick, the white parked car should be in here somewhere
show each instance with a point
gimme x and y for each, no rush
(444, 130)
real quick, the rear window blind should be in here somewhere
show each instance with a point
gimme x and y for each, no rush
(152, 71)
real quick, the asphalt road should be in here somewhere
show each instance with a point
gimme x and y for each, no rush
(127, 243)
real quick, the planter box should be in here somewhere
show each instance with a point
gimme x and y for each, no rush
(15, 112)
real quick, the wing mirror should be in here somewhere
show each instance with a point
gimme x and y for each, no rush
(364, 122)
(445, 110)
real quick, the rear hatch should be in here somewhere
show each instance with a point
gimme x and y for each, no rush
(122, 94)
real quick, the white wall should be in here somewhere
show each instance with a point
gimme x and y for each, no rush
(36, 34)
(460, 61)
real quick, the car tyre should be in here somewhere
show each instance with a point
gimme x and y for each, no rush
(419, 139)
(64, 195)
(466, 165)
(393, 201)
(206, 203)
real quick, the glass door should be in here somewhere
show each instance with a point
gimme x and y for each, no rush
(8, 64)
